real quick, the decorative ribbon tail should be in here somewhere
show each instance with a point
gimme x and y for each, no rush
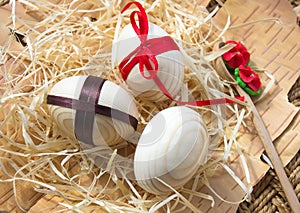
(213, 101)
(196, 103)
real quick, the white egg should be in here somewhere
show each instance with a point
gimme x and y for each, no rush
(171, 148)
(78, 119)
(170, 65)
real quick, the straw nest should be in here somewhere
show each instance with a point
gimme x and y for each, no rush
(76, 38)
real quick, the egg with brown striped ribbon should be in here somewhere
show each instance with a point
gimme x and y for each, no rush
(170, 150)
(93, 110)
(170, 65)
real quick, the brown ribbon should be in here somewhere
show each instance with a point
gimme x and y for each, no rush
(87, 107)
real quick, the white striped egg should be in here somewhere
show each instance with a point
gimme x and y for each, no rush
(171, 148)
(170, 65)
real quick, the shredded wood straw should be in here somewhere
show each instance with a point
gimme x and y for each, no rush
(76, 38)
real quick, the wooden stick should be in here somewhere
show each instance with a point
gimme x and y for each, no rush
(272, 154)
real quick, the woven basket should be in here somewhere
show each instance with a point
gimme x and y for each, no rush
(294, 94)
(268, 195)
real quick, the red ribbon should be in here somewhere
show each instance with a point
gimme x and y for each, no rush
(145, 55)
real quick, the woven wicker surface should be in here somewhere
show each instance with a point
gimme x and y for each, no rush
(268, 196)
(294, 94)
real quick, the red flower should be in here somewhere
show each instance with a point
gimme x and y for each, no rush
(250, 78)
(237, 56)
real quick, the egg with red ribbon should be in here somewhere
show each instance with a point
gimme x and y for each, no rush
(93, 110)
(148, 58)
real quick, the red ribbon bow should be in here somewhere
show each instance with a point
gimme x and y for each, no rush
(145, 56)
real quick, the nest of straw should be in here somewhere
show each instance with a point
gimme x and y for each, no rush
(75, 38)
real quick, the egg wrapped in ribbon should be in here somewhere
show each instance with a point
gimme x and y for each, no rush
(93, 110)
(148, 58)
(170, 150)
